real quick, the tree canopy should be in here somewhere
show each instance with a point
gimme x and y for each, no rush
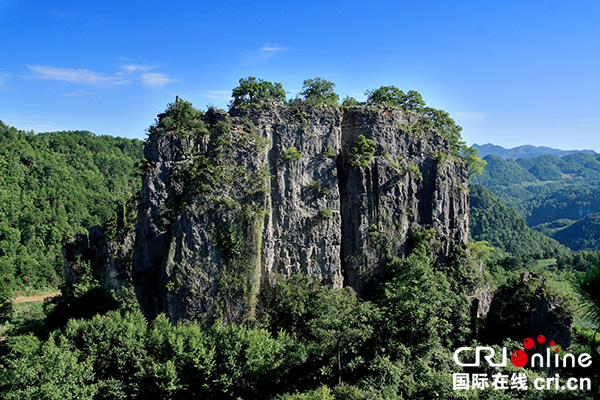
(180, 116)
(394, 97)
(253, 92)
(319, 91)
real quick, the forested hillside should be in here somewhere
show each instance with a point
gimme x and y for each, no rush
(551, 193)
(582, 234)
(52, 186)
(504, 228)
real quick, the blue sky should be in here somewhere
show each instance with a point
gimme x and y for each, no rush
(509, 72)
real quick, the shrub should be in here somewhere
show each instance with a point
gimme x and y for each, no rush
(181, 117)
(291, 154)
(415, 171)
(326, 213)
(350, 102)
(391, 96)
(362, 152)
(331, 152)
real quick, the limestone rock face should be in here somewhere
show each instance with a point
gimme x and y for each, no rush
(405, 185)
(255, 196)
(107, 260)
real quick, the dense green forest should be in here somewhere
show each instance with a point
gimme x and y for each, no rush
(582, 234)
(306, 340)
(52, 186)
(556, 196)
(504, 228)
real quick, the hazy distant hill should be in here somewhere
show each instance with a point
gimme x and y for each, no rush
(525, 151)
(554, 194)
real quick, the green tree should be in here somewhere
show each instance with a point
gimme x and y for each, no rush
(340, 325)
(481, 250)
(333, 324)
(441, 121)
(391, 96)
(254, 92)
(319, 91)
(180, 360)
(416, 305)
(250, 362)
(470, 156)
(49, 370)
(180, 117)
(115, 343)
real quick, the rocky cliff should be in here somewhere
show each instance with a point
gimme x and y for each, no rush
(100, 256)
(235, 201)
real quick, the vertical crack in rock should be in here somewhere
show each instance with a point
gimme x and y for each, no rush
(341, 185)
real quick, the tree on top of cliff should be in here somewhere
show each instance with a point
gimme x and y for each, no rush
(475, 164)
(253, 92)
(393, 97)
(179, 116)
(350, 102)
(319, 91)
(438, 120)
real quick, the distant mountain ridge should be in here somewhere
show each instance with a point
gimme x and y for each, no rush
(525, 151)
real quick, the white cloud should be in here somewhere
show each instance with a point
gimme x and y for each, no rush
(133, 73)
(274, 47)
(134, 68)
(155, 79)
(267, 51)
(471, 116)
(84, 76)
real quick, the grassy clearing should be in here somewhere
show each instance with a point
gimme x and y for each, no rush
(546, 263)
